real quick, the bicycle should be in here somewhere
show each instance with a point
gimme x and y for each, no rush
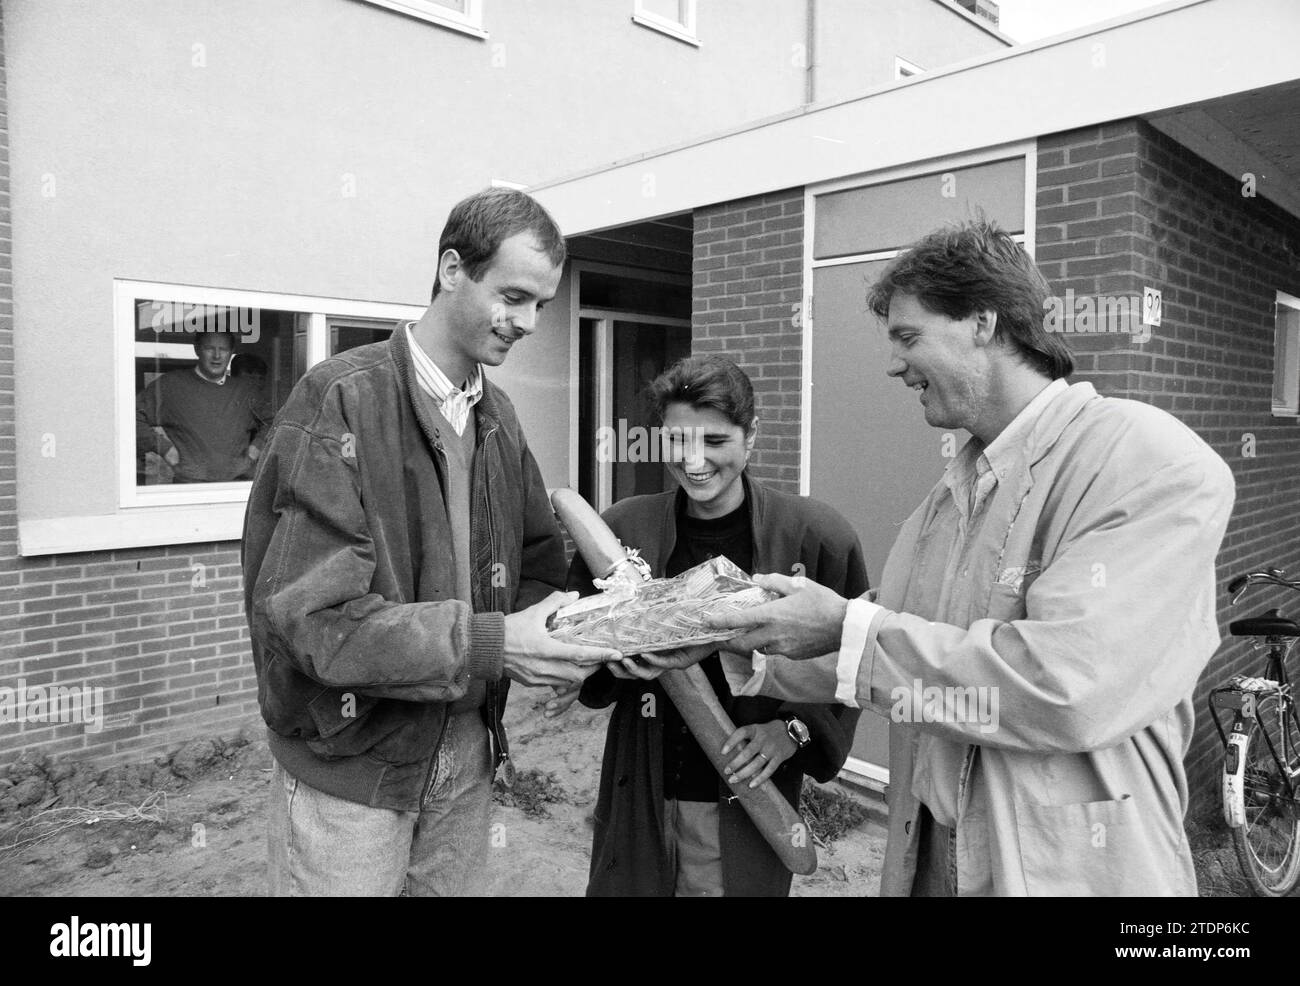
(1261, 766)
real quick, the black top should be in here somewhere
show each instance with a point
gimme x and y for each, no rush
(688, 773)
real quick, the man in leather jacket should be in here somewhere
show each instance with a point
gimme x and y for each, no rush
(400, 560)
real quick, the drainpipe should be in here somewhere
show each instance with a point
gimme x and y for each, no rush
(810, 51)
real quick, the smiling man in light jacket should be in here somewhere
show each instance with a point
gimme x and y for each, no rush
(1044, 614)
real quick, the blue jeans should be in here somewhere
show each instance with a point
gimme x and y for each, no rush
(322, 846)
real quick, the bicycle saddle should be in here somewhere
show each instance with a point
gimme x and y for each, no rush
(1270, 624)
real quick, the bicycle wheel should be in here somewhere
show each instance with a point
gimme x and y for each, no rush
(1268, 843)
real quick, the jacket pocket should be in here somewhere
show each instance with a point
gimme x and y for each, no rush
(335, 709)
(1094, 849)
(1006, 603)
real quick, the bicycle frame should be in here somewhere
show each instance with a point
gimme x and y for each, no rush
(1246, 707)
(1259, 789)
(1244, 704)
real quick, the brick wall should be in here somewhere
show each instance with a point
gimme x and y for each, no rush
(748, 276)
(1089, 232)
(160, 630)
(1122, 206)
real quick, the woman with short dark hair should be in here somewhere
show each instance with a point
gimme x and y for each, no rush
(664, 823)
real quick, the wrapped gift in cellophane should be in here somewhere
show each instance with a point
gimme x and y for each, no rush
(660, 614)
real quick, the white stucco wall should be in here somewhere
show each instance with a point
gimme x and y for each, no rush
(213, 143)
(926, 33)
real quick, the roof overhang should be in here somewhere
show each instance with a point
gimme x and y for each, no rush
(1254, 134)
(1143, 65)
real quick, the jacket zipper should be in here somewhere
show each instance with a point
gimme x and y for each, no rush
(500, 752)
(442, 730)
(433, 763)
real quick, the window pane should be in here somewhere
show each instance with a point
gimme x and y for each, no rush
(1286, 359)
(898, 213)
(669, 10)
(641, 353)
(208, 380)
(348, 334)
(456, 5)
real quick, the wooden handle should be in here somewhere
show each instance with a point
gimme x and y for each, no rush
(690, 691)
(773, 816)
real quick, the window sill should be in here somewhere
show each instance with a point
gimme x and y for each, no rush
(663, 27)
(149, 528)
(431, 17)
(132, 529)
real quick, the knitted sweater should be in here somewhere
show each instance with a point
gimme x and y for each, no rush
(210, 425)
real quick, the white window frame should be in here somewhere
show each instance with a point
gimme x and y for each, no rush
(470, 22)
(335, 321)
(1288, 408)
(683, 30)
(903, 69)
(163, 515)
(876, 776)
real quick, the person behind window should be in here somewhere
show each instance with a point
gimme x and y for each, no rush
(205, 424)
(666, 824)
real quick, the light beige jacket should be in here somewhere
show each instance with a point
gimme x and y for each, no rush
(1088, 603)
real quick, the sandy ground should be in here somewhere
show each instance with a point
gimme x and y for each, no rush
(211, 839)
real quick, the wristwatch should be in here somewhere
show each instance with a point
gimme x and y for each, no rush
(798, 731)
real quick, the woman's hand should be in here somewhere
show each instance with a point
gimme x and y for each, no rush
(634, 668)
(763, 748)
(561, 698)
(647, 667)
(683, 657)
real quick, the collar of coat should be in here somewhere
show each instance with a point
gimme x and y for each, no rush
(1041, 434)
(1020, 460)
(656, 554)
(487, 410)
(1054, 419)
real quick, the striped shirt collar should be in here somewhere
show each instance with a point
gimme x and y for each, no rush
(454, 402)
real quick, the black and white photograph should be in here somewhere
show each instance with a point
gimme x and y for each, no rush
(623, 448)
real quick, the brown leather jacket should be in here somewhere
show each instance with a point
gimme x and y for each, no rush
(349, 581)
